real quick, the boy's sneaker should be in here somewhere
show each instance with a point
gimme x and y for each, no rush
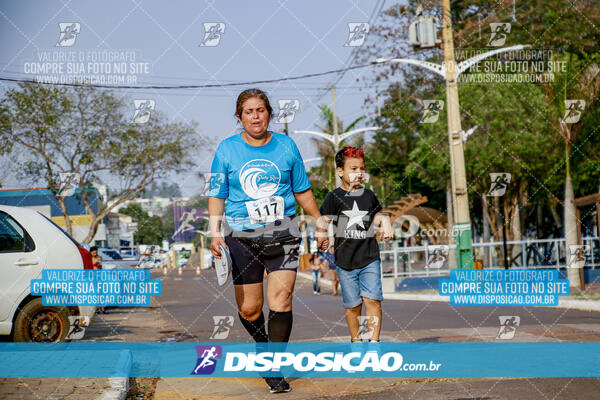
(278, 385)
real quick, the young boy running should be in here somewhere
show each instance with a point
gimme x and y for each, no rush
(355, 213)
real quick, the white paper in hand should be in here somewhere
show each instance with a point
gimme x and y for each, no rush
(223, 266)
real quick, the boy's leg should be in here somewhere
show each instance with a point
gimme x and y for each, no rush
(351, 298)
(373, 309)
(352, 315)
(372, 294)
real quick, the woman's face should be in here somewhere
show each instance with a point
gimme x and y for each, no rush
(255, 117)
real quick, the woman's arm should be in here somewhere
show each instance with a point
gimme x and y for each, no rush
(309, 204)
(215, 214)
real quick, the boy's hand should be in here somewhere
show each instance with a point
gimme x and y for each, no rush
(323, 243)
(388, 234)
(322, 239)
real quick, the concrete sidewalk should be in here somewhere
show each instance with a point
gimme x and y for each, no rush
(380, 388)
(114, 388)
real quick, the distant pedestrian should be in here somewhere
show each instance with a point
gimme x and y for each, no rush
(316, 266)
(331, 269)
(97, 264)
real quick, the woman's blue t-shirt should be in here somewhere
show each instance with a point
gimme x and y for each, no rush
(258, 182)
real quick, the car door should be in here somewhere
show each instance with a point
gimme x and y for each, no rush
(19, 263)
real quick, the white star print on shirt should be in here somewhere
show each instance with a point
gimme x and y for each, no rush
(355, 216)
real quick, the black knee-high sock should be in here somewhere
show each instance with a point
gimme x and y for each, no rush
(280, 326)
(256, 329)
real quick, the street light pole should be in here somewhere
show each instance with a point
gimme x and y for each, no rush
(462, 221)
(336, 143)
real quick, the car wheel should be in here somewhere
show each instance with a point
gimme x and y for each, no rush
(36, 322)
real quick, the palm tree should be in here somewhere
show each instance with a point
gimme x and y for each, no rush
(580, 82)
(325, 148)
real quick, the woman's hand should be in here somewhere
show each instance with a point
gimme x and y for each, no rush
(215, 245)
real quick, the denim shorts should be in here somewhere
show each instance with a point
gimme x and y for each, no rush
(359, 283)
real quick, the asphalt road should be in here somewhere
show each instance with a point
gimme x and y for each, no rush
(185, 311)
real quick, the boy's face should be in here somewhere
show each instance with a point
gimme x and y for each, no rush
(353, 172)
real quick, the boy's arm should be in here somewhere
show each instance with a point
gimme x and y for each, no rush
(383, 225)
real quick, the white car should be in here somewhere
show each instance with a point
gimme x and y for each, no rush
(30, 243)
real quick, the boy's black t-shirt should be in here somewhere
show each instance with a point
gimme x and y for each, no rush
(352, 214)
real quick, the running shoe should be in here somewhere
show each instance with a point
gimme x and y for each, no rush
(278, 385)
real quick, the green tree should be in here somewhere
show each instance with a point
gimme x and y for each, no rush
(149, 228)
(513, 136)
(323, 176)
(88, 132)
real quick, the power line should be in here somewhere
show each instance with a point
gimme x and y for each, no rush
(212, 85)
(352, 56)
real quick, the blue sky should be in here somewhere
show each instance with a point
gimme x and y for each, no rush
(262, 40)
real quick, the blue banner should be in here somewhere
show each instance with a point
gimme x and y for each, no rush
(300, 359)
(500, 287)
(118, 287)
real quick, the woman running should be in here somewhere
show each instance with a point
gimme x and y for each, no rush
(262, 176)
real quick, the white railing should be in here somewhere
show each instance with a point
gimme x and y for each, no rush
(399, 261)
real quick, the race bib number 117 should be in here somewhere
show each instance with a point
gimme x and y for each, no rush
(265, 210)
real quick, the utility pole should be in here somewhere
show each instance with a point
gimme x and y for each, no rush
(336, 143)
(462, 222)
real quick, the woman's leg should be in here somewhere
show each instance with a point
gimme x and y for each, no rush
(249, 298)
(314, 279)
(280, 289)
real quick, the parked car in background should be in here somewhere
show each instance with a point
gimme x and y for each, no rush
(149, 262)
(129, 254)
(30, 243)
(111, 259)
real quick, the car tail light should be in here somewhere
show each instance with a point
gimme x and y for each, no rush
(86, 256)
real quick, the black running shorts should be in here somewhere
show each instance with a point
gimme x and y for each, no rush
(249, 263)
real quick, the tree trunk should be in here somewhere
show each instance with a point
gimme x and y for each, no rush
(486, 228)
(63, 208)
(515, 228)
(571, 232)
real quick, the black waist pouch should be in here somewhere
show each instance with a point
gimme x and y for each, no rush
(269, 242)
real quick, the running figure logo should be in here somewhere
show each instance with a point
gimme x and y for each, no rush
(207, 359)
(357, 34)
(508, 327)
(500, 31)
(143, 110)
(500, 181)
(431, 111)
(366, 327)
(437, 256)
(287, 111)
(576, 256)
(75, 330)
(68, 33)
(67, 184)
(211, 179)
(212, 34)
(222, 326)
(573, 110)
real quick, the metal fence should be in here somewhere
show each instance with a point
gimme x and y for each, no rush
(432, 260)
